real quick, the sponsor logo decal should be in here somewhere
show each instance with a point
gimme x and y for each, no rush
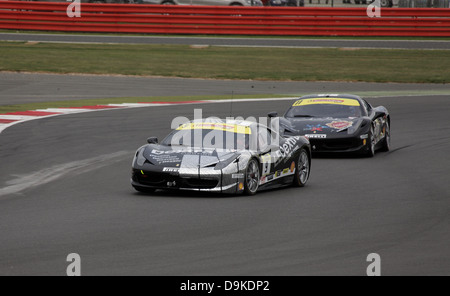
(330, 101)
(340, 125)
(237, 176)
(234, 128)
(171, 170)
(315, 128)
(263, 180)
(316, 136)
(278, 174)
(157, 152)
(288, 148)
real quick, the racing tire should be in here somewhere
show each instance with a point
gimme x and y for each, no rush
(252, 176)
(371, 144)
(387, 139)
(303, 169)
(168, 2)
(144, 189)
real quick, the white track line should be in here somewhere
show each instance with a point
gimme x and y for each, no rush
(17, 117)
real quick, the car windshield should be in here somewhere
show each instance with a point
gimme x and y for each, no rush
(205, 137)
(339, 108)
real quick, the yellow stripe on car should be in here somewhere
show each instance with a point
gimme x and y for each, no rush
(331, 101)
(234, 128)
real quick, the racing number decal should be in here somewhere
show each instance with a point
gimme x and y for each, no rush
(266, 164)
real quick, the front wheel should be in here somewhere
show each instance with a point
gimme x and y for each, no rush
(371, 143)
(303, 169)
(252, 177)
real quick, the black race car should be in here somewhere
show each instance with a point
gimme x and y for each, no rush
(338, 123)
(221, 156)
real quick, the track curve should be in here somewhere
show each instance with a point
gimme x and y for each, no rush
(396, 204)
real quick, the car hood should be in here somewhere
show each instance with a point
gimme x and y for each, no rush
(187, 157)
(329, 126)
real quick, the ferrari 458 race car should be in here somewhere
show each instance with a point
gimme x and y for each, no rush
(214, 155)
(338, 123)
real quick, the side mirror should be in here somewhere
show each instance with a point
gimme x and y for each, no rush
(152, 140)
(272, 114)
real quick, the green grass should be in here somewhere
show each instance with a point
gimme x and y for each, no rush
(372, 65)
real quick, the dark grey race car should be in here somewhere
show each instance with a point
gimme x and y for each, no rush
(221, 156)
(338, 123)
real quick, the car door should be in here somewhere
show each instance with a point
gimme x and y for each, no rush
(271, 156)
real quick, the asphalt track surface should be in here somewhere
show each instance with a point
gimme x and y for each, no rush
(20, 88)
(230, 41)
(64, 188)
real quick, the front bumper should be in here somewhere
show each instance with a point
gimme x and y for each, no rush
(204, 179)
(340, 145)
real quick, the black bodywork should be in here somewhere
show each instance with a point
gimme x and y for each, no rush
(189, 167)
(360, 129)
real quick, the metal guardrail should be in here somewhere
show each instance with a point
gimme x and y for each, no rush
(178, 19)
(424, 3)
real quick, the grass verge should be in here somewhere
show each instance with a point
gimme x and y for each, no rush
(307, 64)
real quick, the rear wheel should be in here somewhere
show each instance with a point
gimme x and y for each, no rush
(387, 139)
(252, 177)
(303, 169)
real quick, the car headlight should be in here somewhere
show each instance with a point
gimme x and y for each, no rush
(139, 157)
